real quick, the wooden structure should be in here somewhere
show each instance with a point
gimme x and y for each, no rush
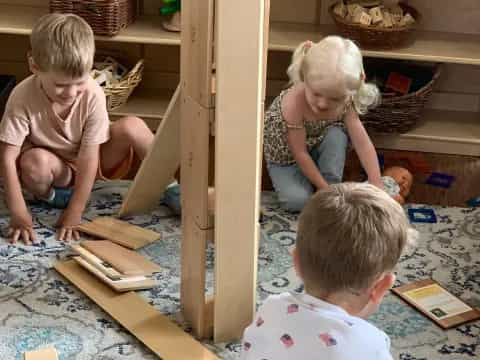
(450, 124)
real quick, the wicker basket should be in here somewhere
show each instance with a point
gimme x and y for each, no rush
(117, 94)
(106, 17)
(376, 37)
(399, 114)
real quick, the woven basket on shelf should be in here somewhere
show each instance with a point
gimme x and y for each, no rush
(377, 37)
(117, 94)
(399, 114)
(106, 17)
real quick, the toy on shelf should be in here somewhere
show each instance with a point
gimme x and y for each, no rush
(172, 7)
(398, 182)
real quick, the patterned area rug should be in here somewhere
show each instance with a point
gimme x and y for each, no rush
(40, 308)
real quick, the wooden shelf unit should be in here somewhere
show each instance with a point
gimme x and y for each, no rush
(284, 36)
(440, 131)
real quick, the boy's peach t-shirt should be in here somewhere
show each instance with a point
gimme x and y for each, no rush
(30, 121)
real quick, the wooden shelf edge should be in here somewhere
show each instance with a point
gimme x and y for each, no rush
(445, 132)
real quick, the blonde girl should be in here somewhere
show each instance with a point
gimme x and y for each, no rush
(306, 127)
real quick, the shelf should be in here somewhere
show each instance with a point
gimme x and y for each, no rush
(146, 29)
(150, 105)
(429, 46)
(440, 131)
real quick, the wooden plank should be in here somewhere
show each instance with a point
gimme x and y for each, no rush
(197, 50)
(125, 261)
(42, 354)
(120, 285)
(160, 164)
(194, 160)
(194, 242)
(120, 232)
(240, 79)
(149, 326)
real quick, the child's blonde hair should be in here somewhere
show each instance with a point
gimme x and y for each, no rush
(308, 59)
(348, 235)
(63, 43)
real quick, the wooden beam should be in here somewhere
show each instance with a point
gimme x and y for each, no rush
(195, 160)
(153, 329)
(240, 80)
(160, 164)
(197, 50)
(192, 296)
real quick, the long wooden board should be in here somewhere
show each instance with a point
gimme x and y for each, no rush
(149, 326)
(159, 166)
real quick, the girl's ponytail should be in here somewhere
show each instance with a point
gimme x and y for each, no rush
(365, 97)
(294, 71)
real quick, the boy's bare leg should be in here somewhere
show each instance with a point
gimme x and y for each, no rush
(40, 169)
(129, 131)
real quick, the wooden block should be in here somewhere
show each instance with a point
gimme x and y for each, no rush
(376, 14)
(153, 329)
(125, 261)
(122, 284)
(157, 169)
(194, 242)
(365, 19)
(100, 264)
(352, 9)
(120, 232)
(406, 20)
(387, 20)
(43, 354)
(340, 9)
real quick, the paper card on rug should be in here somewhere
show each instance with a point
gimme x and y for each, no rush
(437, 303)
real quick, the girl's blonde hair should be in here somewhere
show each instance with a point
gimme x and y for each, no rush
(64, 43)
(308, 61)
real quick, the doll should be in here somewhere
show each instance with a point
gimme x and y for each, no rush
(397, 182)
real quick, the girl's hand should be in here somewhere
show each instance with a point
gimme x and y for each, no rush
(67, 224)
(377, 182)
(21, 227)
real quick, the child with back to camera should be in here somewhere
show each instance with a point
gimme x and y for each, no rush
(55, 135)
(350, 237)
(304, 139)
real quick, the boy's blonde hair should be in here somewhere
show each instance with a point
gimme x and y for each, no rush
(308, 62)
(63, 43)
(348, 235)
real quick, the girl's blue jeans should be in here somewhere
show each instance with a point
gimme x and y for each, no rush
(293, 188)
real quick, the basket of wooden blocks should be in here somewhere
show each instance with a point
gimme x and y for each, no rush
(116, 80)
(376, 24)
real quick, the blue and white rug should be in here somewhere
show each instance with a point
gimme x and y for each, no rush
(40, 308)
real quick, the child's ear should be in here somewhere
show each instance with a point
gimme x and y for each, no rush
(296, 264)
(381, 287)
(31, 64)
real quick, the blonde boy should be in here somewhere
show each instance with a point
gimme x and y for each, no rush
(55, 135)
(350, 236)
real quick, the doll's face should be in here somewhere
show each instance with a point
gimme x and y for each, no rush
(403, 178)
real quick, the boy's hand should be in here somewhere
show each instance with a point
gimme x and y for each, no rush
(67, 224)
(21, 227)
